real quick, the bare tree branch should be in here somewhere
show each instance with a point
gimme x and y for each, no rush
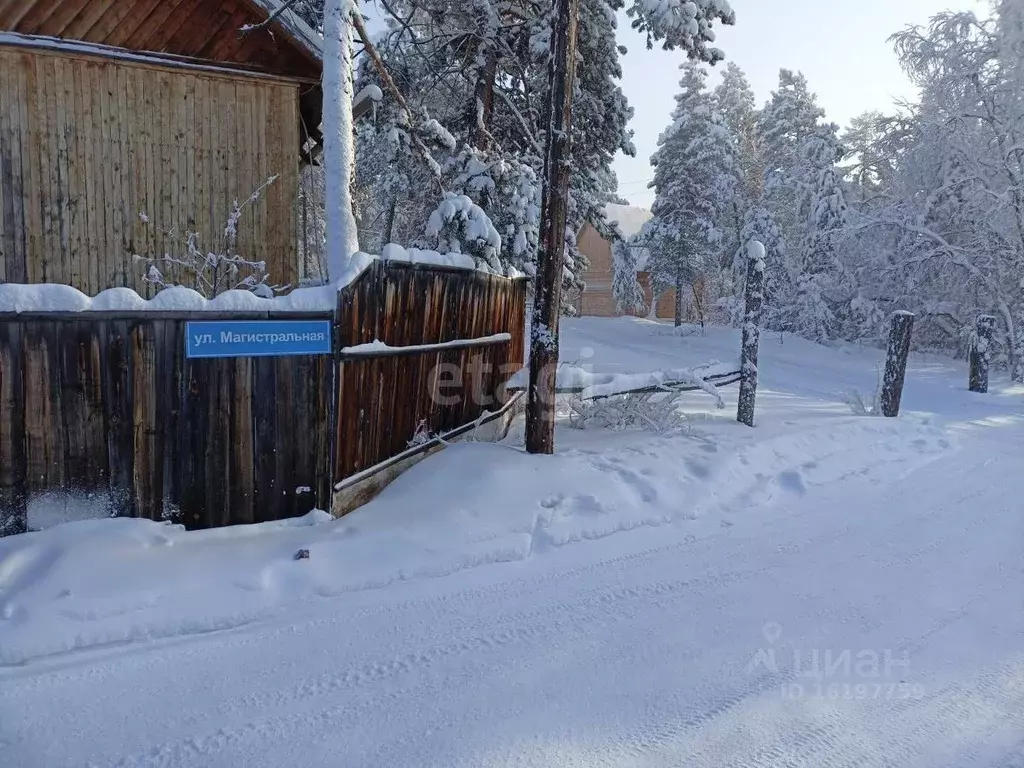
(385, 76)
(250, 28)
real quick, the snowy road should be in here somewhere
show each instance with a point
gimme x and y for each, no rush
(666, 645)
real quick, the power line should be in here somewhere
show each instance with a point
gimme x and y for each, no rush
(636, 181)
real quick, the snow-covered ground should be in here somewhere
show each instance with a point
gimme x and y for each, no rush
(823, 590)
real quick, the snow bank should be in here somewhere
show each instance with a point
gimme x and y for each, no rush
(51, 297)
(101, 582)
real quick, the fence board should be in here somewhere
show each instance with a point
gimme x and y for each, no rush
(147, 463)
(12, 433)
(117, 389)
(264, 434)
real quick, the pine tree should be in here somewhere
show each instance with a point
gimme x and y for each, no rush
(799, 153)
(626, 289)
(687, 25)
(789, 118)
(734, 100)
(820, 274)
(480, 71)
(600, 126)
(694, 181)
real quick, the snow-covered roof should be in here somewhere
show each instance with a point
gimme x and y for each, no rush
(18, 40)
(628, 218)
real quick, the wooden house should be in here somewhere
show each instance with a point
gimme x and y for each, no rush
(110, 109)
(597, 298)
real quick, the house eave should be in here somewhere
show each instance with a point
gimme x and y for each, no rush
(80, 49)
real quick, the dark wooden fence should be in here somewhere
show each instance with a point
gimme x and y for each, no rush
(386, 396)
(106, 405)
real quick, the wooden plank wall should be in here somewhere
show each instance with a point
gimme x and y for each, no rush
(383, 401)
(107, 404)
(88, 144)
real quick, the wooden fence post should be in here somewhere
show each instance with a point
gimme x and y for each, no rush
(896, 362)
(754, 294)
(980, 351)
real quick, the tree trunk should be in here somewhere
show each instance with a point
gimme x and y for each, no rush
(389, 222)
(980, 352)
(483, 99)
(698, 304)
(896, 363)
(679, 295)
(1015, 342)
(339, 144)
(754, 294)
(540, 407)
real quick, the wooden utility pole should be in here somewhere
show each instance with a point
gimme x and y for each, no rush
(980, 353)
(896, 362)
(540, 405)
(754, 294)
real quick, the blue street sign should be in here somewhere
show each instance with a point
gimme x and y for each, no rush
(257, 338)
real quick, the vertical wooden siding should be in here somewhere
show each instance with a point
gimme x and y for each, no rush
(382, 401)
(86, 145)
(108, 405)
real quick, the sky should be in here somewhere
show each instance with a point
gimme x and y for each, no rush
(841, 47)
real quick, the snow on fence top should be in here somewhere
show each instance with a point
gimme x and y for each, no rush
(378, 347)
(52, 297)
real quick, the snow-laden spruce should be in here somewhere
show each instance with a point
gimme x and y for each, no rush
(695, 182)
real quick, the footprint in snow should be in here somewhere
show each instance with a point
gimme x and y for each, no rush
(553, 501)
(588, 505)
(698, 469)
(792, 480)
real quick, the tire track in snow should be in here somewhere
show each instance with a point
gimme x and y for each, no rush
(532, 629)
(380, 669)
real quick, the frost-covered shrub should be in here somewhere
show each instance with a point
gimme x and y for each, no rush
(210, 272)
(860, 406)
(656, 412)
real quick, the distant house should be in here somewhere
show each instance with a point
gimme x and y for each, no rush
(113, 108)
(597, 299)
